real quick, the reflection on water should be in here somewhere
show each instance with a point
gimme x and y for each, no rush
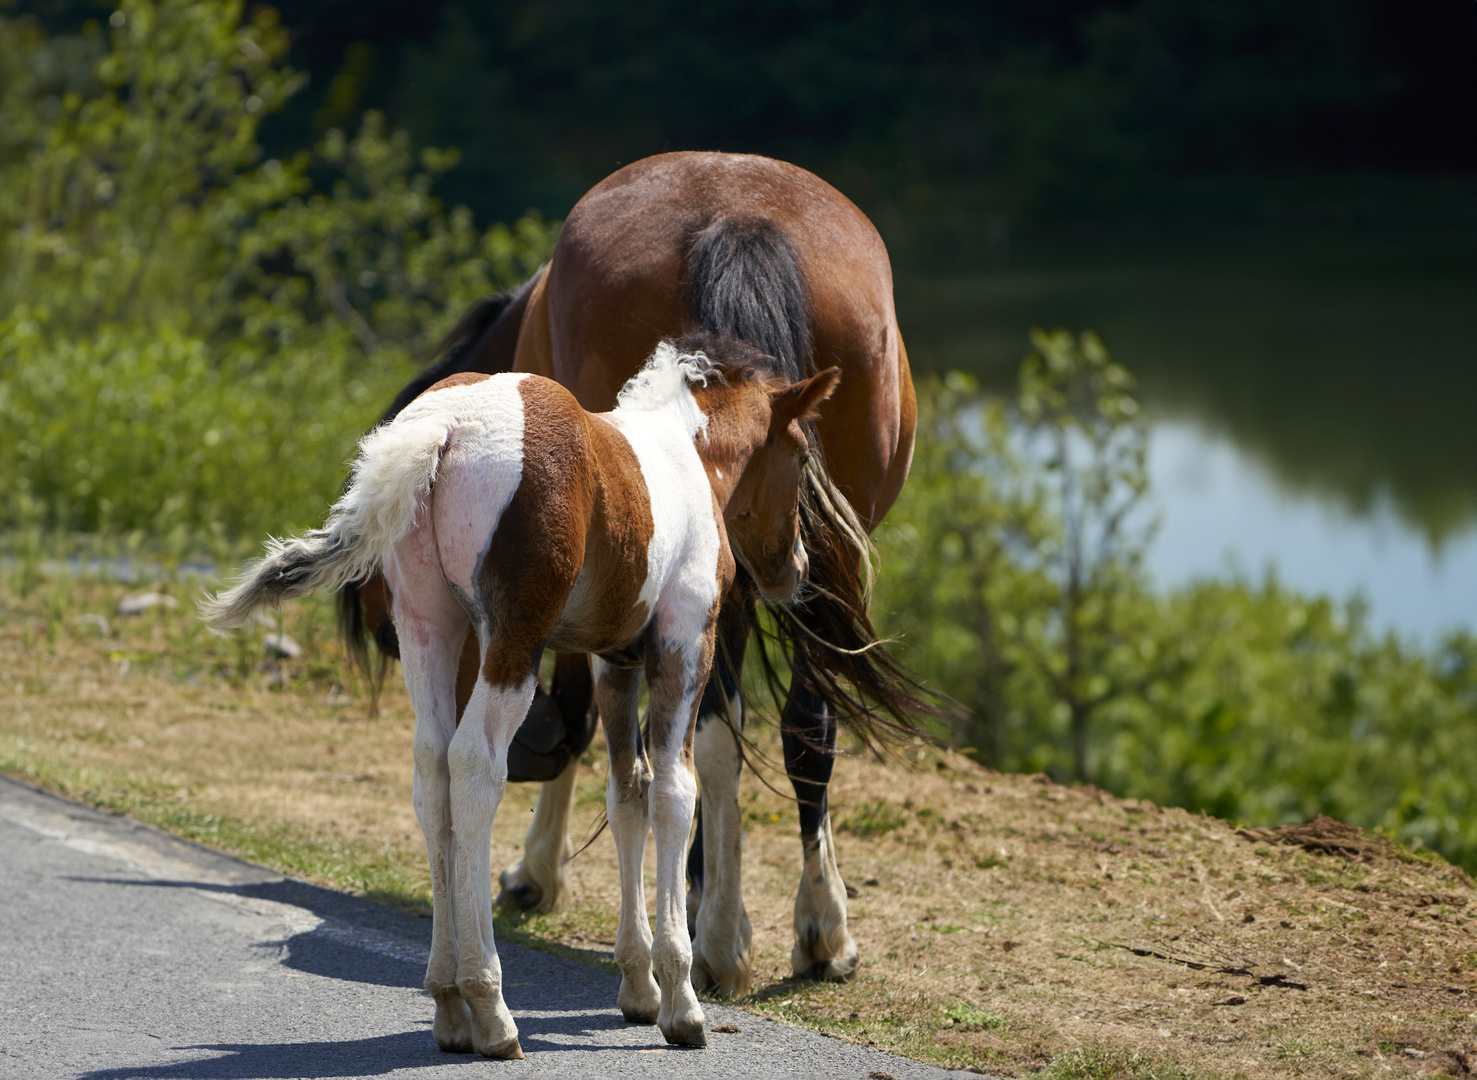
(1223, 510)
(1325, 390)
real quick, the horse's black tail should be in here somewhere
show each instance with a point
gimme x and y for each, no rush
(484, 339)
(744, 279)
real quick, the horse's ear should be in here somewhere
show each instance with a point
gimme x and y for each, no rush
(801, 400)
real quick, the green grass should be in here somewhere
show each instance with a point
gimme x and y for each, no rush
(962, 1016)
(1115, 1063)
(876, 818)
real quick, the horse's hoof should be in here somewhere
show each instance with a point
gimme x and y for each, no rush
(637, 1015)
(688, 1034)
(519, 895)
(452, 1027)
(807, 965)
(508, 1051)
(842, 969)
(734, 981)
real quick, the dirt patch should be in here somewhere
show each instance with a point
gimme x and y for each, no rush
(1004, 922)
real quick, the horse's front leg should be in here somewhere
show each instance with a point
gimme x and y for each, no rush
(477, 762)
(675, 676)
(539, 880)
(824, 948)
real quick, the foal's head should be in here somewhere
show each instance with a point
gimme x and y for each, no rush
(755, 427)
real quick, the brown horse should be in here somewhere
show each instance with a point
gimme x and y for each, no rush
(770, 254)
(502, 513)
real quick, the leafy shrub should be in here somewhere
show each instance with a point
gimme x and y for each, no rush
(189, 335)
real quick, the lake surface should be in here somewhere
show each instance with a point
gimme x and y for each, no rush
(1315, 400)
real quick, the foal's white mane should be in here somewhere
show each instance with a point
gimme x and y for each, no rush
(663, 384)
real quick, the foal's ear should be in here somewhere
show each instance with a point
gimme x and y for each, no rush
(800, 401)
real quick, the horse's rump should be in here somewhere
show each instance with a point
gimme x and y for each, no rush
(765, 252)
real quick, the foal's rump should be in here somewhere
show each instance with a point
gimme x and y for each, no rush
(462, 439)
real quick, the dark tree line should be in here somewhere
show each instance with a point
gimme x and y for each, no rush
(1059, 106)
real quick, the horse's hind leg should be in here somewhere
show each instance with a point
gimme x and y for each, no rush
(433, 627)
(538, 880)
(824, 948)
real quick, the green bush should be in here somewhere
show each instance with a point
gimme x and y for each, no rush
(189, 335)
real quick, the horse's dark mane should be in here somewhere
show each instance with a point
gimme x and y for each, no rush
(745, 282)
(457, 352)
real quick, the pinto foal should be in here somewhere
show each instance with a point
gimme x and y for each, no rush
(496, 505)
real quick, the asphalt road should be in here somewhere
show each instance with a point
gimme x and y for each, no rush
(125, 953)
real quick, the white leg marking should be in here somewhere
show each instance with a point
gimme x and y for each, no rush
(615, 692)
(432, 628)
(477, 761)
(673, 799)
(721, 951)
(542, 875)
(824, 948)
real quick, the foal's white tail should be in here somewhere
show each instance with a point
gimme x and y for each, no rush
(394, 471)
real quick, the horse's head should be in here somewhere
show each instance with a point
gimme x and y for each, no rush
(763, 513)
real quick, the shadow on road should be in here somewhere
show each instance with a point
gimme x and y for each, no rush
(264, 1061)
(363, 942)
(357, 940)
(369, 1057)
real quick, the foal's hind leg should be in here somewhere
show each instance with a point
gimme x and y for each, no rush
(477, 761)
(433, 626)
(626, 810)
(824, 948)
(675, 676)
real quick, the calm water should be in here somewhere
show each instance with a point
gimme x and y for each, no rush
(1316, 402)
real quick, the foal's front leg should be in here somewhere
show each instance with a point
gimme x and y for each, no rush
(626, 810)
(675, 677)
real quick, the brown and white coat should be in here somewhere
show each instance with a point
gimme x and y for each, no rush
(497, 505)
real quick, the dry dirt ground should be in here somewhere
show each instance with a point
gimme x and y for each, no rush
(1004, 922)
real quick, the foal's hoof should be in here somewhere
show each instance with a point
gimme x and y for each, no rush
(508, 1051)
(636, 1014)
(688, 1034)
(452, 1028)
(733, 981)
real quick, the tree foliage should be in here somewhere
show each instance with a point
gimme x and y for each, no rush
(191, 335)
